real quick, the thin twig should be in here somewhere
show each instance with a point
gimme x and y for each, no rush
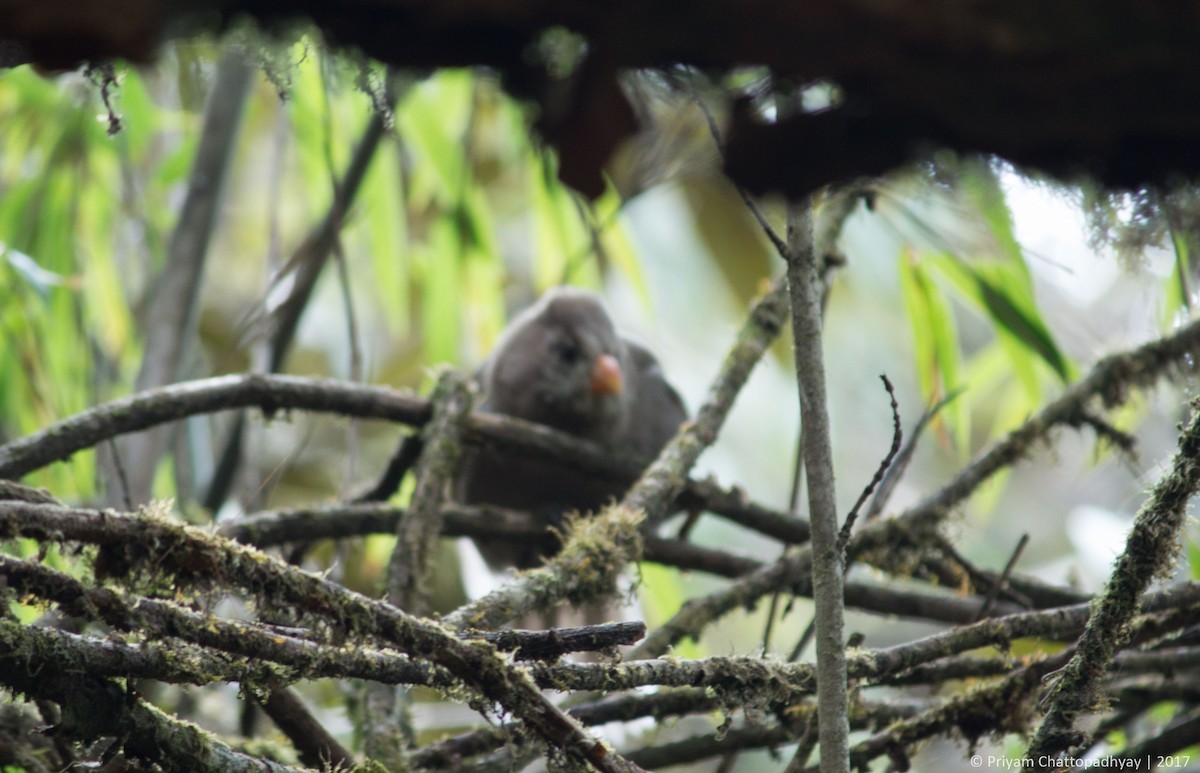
(1002, 581)
(896, 471)
(398, 466)
(897, 437)
(714, 130)
(122, 479)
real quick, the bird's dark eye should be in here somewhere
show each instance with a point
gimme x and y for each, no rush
(566, 351)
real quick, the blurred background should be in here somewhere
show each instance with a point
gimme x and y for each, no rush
(958, 275)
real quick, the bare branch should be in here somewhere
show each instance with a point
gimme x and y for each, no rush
(170, 318)
(884, 466)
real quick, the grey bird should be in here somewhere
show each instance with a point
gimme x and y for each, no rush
(561, 363)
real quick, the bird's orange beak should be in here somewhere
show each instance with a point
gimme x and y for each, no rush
(606, 378)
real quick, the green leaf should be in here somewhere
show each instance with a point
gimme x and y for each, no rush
(440, 293)
(432, 118)
(386, 223)
(28, 270)
(616, 244)
(1023, 323)
(1003, 293)
(477, 229)
(1000, 285)
(562, 239)
(935, 343)
(549, 236)
(1176, 295)
(980, 183)
(661, 594)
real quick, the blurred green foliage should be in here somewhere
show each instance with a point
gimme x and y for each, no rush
(460, 220)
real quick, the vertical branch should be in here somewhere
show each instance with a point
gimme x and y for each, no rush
(387, 728)
(1148, 552)
(305, 265)
(170, 316)
(355, 346)
(411, 565)
(804, 284)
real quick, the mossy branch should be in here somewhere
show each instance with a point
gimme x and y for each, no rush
(195, 559)
(1149, 549)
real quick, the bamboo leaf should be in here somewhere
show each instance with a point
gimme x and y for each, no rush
(386, 223)
(1002, 293)
(432, 119)
(935, 343)
(439, 298)
(27, 269)
(1024, 324)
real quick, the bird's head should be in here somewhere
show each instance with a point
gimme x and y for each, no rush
(563, 365)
